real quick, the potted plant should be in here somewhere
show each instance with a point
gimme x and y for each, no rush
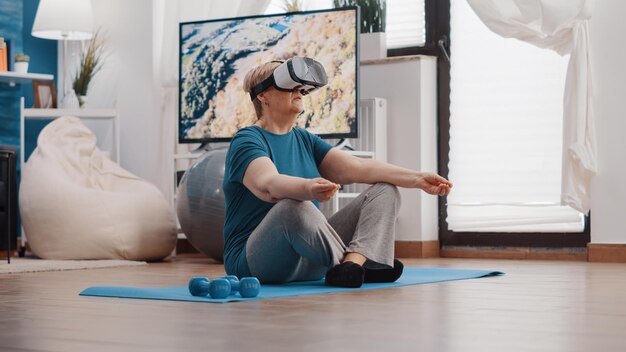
(90, 63)
(292, 5)
(373, 22)
(21, 63)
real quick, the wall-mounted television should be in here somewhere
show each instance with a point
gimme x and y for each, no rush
(215, 56)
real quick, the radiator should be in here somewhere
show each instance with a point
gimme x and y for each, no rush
(373, 128)
(371, 143)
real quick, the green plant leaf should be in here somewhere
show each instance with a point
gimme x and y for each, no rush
(292, 5)
(373, 13)
(91, 60)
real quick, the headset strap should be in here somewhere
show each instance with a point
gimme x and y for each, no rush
(259, 88)
(268, 82)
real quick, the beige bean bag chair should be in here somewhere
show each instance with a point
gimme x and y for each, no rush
(76, 203)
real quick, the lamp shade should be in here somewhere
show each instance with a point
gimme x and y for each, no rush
(63, 20)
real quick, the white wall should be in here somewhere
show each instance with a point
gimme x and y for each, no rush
(410, 89)
(127, 82)
(608, 55)
(129, 24)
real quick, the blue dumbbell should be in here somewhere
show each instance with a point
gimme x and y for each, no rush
(249, 287)
(234, 283)
(221, 287)
(202, 286)
(199, 286)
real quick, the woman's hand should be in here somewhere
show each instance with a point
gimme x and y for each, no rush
(322, 189)
(433, 184)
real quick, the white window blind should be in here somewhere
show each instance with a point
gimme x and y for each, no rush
(505, 132)
(406, 21)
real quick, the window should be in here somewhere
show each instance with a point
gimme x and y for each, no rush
(406, 24)
(500, 123)
(406, 20)
(506, 122)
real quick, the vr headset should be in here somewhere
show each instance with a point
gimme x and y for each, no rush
(297, 73)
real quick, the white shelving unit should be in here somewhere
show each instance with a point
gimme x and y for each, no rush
(87, 114)
(180, 156)
(183, 156)
(13, 78)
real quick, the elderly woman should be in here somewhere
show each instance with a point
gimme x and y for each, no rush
(275, 177)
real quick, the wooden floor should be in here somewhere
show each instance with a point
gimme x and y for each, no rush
(536, 306)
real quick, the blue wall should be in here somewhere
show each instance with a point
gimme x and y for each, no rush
(42, 52)
(43, 59)
(10, 29)
(16, 22)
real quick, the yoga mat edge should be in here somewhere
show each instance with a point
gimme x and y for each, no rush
(410, 276)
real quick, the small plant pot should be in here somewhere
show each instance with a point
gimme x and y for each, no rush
(373, 46)
(21, 67)
(82, 101)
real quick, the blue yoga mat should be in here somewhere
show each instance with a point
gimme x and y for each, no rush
(410, 276)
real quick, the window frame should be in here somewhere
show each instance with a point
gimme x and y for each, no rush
(437, 14)
(432, 8)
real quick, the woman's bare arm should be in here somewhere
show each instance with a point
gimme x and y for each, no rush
(264, 181)
(343, 168)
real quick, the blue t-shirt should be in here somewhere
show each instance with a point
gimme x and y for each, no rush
(297, 153)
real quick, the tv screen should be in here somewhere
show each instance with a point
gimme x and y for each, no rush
(215, 56)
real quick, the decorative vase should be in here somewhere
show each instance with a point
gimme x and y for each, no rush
(21, 67)
(82, 101)
(373, 46)
(70, 101)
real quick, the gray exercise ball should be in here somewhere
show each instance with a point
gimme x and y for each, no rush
(200, 203)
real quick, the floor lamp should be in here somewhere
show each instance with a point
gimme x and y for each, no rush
(64, 20)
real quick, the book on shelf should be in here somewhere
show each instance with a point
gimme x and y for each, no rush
(10, 59)
(4, 57)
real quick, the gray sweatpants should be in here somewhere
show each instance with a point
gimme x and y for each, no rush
(295, 242)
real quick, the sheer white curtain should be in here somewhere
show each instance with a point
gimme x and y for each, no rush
(562, 26)
(505, 132)
(170, 14)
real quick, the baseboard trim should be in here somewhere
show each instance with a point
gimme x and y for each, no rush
(516, 253)
(596, 252)
(417, 249)
(607, 252)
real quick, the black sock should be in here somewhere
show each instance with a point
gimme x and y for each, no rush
(346, 274)
(384, 275)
